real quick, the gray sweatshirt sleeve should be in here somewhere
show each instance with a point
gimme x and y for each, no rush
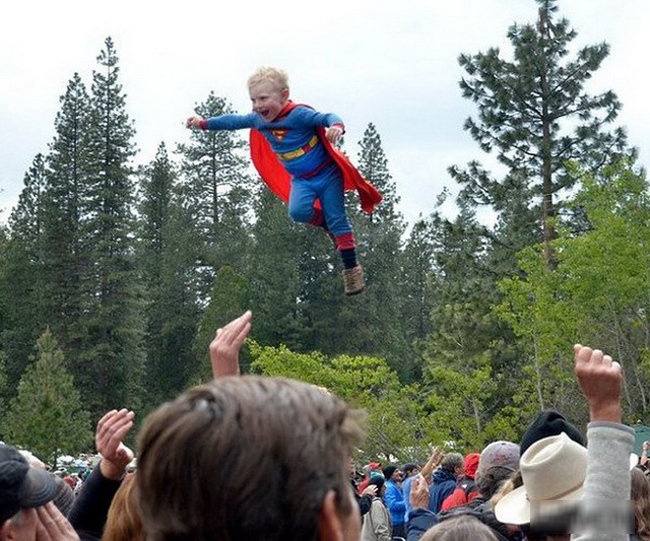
(608, 471)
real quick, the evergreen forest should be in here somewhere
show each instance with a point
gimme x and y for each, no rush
(114, 277)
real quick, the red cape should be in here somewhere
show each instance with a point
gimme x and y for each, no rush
(277, 178)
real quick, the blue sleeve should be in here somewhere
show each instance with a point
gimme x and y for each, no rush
(394, 502)
(304, 117)
(231, 122)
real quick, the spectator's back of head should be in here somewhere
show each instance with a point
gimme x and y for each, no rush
(549, 423)
(501, 454)
(460, 528)
(247, 458)
(451, 461)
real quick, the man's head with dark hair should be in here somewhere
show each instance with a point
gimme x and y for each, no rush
(410, 469)
(248, 458)
(388, 471)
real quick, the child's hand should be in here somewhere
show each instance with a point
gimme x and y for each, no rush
(333, 133)
(194, 121)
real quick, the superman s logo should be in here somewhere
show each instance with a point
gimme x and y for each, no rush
(279, 134)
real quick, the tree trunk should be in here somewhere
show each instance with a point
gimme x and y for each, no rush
(548, 229)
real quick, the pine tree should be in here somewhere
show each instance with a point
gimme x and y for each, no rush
(218, 189)
(66, 258)
(536, 115)
(22, 283)
(274, 274)
(370, 325)
(47, 417)
(26, 219)
(417, 291)
(3, 389)
(167, 253)
(110, 369)
(230, 298)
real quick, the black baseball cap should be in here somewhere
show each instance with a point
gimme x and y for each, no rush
(21, 486)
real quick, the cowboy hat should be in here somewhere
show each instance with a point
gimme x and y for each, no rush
(553, 470)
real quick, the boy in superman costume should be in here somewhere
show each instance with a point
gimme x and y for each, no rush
(292, 149)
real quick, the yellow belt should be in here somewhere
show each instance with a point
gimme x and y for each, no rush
(292, 155)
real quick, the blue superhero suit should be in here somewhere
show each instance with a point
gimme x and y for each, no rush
(296, 138)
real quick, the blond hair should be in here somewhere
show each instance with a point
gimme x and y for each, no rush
(277, 77)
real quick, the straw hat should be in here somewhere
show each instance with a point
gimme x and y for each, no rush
(553, 469)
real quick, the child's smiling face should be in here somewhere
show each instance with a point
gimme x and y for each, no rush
(267, 100)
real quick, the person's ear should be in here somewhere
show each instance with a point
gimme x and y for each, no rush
(284, 94)
(329, 523)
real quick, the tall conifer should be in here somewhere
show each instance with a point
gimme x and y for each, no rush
(22, 281)
(535, 114)
(47, 417)
(167, 254)
(217, 187)
(66, 251)
(111, 368)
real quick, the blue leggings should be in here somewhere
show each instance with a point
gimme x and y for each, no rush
(327, 187)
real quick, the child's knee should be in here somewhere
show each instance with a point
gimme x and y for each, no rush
(301, 214)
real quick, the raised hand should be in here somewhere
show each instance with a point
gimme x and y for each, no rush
(370, 490)
(419, 493)
(600, 379)
(112, 428)
(224, 349)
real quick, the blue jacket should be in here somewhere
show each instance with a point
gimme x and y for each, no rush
(444, 483)
(406, 491)
(395, 502)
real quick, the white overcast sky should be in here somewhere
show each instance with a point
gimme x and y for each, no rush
(390, 62)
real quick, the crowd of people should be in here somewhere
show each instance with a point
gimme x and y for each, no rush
(261, 458)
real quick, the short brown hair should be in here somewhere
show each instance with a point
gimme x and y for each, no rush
(244, 458)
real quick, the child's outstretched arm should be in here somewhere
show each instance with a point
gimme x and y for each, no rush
(221, 122)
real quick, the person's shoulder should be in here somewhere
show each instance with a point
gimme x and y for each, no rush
(302, 109)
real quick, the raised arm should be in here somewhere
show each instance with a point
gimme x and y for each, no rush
(609, 446)
(434, 461)
(90, 509)
(224, 349)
